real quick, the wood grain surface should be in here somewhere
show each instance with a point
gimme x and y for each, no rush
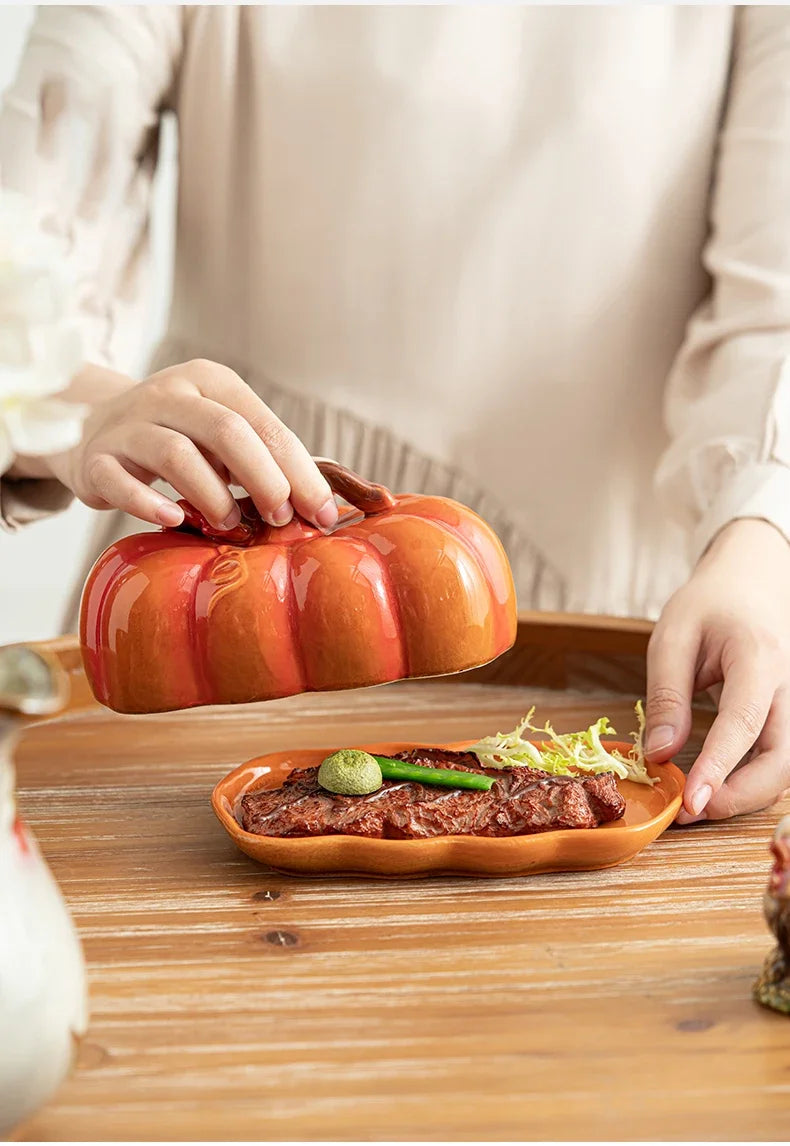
(231, 1003)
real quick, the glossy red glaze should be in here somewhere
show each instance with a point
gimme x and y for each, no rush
(420, 586)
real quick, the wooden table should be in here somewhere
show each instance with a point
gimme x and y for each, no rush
(229, 1002)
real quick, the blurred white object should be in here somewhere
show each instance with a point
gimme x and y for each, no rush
(43, 1007)
(41, 347)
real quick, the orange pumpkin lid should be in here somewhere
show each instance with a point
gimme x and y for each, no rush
(404, 586)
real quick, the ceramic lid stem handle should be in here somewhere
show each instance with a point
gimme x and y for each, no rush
(363, 495)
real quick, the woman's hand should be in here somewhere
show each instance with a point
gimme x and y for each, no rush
(729, 626)
(201, 428)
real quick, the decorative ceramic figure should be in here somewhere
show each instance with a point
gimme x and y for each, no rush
(42, 976)
(403, 586)
(773, 987)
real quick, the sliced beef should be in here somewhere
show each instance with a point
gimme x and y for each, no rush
(522, 801)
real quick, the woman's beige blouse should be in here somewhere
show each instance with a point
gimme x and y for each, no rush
(534, 258)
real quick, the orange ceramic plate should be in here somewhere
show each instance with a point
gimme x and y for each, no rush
(649, 810)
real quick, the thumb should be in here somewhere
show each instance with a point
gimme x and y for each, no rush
(671, 666)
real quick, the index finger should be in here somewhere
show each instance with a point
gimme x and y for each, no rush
(746, 698)
(309, 490)
(671, 664)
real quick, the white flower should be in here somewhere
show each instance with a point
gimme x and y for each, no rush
(40, 342)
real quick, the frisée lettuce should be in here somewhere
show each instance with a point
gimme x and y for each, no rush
(566, 754)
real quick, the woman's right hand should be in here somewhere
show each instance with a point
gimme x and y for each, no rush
(199, 427)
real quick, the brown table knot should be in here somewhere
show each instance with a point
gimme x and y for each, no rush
(281, 938)
(695, 1024)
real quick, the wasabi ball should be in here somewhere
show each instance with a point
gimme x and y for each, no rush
(350, 772)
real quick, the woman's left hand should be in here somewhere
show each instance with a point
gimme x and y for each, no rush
(729, 626)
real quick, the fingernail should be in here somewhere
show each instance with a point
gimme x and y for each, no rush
(659, 739)
(232, 520)
(327, 514)
(699, 801)
(685, 818)
(283, 514)
(169, 514)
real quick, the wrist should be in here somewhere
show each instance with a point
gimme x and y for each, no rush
(31, 467)
(95, 384)
(747, 534)
(44, 467)
(91, 387)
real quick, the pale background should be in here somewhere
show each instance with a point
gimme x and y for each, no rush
(38, 566)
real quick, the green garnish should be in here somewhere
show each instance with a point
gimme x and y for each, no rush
(567, 754)
(441, 777)
(352, 772)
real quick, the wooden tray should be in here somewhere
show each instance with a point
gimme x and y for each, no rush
(230, 1002)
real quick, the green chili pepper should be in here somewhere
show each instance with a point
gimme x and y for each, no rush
(441, 777)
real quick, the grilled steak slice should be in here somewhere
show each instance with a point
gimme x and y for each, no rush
(522, 801)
